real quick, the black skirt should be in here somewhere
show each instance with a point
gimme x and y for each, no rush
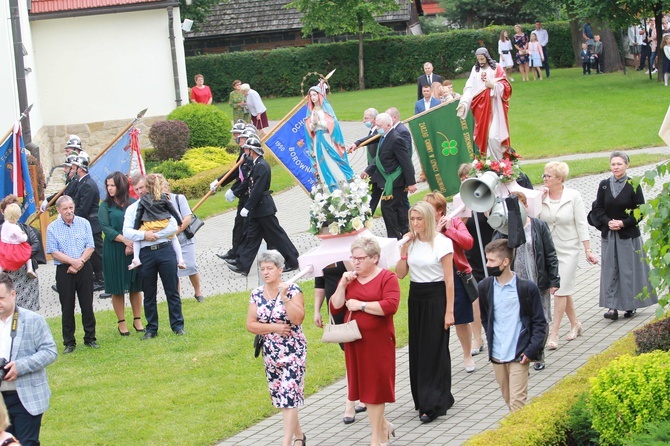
(429, 357)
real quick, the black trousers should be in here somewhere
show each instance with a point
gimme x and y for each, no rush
(545, 53)
(25, 427)
(80, 284)
(644, 53)
(586, 67)
(394, 212)
(375, 195)
(164, 262)
(96, 258)
(239, 227)
(267, 228)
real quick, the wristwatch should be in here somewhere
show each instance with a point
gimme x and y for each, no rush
(363, 305)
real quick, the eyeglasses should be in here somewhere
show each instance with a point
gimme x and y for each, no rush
(546, 176)
(358, 259)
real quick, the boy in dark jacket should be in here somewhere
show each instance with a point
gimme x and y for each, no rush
(512, 315)
(585, 55)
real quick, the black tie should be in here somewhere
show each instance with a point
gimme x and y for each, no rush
(429, 80)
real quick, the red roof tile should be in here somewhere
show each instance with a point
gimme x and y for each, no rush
(432, 8)
(41, 6)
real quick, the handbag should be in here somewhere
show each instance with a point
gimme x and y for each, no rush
(591, 217)
(470, 284)
(258, 339)
(195, 224)
(341, 333)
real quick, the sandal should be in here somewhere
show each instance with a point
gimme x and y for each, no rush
(552, 344)
(122, 333)
(139, 330)
(303, 440)
(574, 332)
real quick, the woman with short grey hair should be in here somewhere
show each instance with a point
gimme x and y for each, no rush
(276, 312)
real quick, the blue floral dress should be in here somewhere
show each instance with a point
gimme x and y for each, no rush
(284, 357)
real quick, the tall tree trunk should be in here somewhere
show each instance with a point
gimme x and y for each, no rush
(611, 50)
(361, 70)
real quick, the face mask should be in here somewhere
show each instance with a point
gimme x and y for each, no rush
(368, 124)
(381, 131)
(494, 271)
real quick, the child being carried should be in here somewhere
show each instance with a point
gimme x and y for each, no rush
(15, 251)
(153, 214)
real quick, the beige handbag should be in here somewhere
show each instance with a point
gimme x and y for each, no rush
(341, 333)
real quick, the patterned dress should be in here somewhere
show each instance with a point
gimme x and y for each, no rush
(284, 357)
(522, 42)
(239, 111)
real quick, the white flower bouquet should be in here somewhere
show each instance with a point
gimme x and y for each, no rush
(343, 210)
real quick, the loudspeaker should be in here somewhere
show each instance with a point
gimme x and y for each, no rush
(498, 215)
(478, 194)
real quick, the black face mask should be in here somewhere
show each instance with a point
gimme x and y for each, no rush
(494, 271)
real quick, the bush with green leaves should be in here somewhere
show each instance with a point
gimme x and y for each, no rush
(173, 170)
(452, 54)
(170, 139)
(197, 185)
(207, 158)
(655, 434)
(579, 429)
(629, 393)
(209, 126)
(653, 336)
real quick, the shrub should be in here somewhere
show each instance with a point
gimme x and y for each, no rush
(629, 393)
(653, 336)
(233, 148)
(197, 185)
(175, 170)
(149, 155)
(170, 139)
(655, 434)
(207, 158)
(579, 431)
(209, 126)
(452, 54)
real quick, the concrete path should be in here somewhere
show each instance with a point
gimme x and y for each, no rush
(479, 405)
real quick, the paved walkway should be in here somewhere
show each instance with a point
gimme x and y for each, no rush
(479, 405)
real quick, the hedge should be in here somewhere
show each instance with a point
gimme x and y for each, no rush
(389, 61)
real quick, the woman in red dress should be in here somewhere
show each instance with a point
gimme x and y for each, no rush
(201, 93)
(371, 295)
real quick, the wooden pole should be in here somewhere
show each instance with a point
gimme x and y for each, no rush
(105, 149)
(223, 178)
(11, 129)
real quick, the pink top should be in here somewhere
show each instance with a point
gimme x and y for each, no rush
(13, 234)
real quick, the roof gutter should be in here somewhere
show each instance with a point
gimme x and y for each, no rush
(19, 66)
(173, 50)
(104, 10)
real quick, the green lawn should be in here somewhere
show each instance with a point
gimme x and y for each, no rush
(568, 113)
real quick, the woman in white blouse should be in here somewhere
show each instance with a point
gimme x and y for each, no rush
(428, 257)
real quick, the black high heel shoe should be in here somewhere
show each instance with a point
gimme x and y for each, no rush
(139, 330)
(122, 333)
(303, 440)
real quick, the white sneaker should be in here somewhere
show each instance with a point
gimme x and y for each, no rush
(511, 79)
(655, 71)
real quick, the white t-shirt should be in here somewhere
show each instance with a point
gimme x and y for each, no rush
(425, 262)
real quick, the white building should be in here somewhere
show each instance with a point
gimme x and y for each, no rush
(91, 66)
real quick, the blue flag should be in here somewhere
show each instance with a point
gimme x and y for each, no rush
(117, 158)
(14, 174)
(288, 144)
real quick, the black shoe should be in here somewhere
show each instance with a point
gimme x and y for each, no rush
(612, 314)
(425, 419)
(200, 298)
(235, 269)
(629, 313)
(359, 409)
(122, 333)
(54, 287)
(98, 286)
(226, 256)
(92, 344)
(288, 269)
(180, 332)
(231, 262)
(148, 335)
(104, 296)
(348, 420)
(68, 349)
(140, 330)
(539, 366)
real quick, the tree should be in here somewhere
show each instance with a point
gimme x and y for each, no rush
(196, 10)
(337, 17)
(481, 13)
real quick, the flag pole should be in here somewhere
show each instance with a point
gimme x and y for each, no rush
(223, 178)
(23, 115)
(105, 149)
(411, 118)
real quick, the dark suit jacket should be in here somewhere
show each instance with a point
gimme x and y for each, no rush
(609, 208)
(260, 202)
(393, 153)
(87, 202)
(375, 177)
(420, 105)
(423, 80)
(240, 186)
(406, 137)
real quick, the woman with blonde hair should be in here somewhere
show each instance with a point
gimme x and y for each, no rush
(428, 258)
(6, 439)
(564, 212)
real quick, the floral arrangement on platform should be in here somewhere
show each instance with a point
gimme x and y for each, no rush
(507, 169)
(341, 211)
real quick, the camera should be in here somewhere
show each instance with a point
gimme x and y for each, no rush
(3, 372)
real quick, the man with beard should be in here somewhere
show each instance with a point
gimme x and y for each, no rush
(487, 94)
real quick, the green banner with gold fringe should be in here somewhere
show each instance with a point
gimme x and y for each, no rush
(443, 142)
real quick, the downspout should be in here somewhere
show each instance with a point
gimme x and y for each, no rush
(19, 66)
(173, 49)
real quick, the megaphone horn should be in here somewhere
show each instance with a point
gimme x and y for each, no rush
(478, 194)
